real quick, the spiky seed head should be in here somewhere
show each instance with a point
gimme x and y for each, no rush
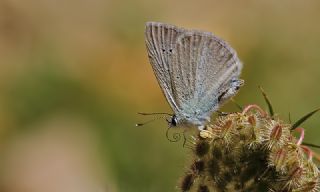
(187, 182)
(250, 151)
(275, 134)
(203, 188)
(202, 147)
(198, 166)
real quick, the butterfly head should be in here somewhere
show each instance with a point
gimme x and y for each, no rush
(173, 122)
(183, 120)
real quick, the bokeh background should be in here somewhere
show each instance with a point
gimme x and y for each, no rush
(73, 74)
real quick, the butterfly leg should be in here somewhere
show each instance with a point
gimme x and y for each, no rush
(221, 113)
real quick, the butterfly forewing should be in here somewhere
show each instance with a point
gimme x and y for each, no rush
(160, 41)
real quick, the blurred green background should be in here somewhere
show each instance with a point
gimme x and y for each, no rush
(73, 74)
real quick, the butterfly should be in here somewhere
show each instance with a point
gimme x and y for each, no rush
(196, 70)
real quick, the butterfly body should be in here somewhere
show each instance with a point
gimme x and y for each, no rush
(197, 71)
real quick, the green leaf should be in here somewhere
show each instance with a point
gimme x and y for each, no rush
(311, 145)
(267, 101)
(303, 119)
(237, 104)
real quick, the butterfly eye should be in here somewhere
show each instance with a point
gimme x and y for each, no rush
(174, 121)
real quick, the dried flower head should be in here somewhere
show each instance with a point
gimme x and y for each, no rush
(251, 151)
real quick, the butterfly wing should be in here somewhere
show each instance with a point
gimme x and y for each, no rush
(161, 41)
(209, 66)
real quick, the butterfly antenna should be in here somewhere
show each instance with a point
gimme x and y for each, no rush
(155, 114)
(156, 118)
(144, 123)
